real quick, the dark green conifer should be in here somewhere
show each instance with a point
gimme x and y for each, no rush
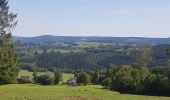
(8, 57)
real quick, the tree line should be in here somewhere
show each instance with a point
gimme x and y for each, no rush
(93, 60)
(138, 78)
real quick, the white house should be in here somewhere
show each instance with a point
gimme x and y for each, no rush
(72, 81)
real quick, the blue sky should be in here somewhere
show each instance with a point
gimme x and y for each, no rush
(120, 18)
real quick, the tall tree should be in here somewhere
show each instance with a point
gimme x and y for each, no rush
(57, 76)
(8, 57)
(168, 50)
(96, 76)
(142, 55)
(168, 53)
(35, 76)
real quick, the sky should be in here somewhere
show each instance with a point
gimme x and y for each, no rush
(116, 18)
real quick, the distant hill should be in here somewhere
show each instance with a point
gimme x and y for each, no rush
(51, 38)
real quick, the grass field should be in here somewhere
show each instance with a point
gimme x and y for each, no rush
(93, 44)
(27, 73)
(65, 76)
(37, 92)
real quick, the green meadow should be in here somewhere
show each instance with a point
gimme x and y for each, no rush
(91, 92)
(27, 73)
(93, 44)
(65, 76)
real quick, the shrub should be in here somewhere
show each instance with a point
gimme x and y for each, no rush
(83, 78)
(106, 82)
(45, 79)
(124, 80)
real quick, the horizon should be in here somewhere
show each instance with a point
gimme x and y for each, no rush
(109, 18)
(89, 36)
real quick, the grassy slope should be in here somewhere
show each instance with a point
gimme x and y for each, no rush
(36, 92)
(27, 73)
(65, 76)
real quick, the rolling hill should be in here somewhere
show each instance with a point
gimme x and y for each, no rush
(51, 38)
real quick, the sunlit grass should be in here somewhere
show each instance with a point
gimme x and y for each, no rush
(65, 76)
(92, 92)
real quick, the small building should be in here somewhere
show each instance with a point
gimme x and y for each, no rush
(26, 79)
(72, 81)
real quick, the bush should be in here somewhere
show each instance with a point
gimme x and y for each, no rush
(82, 78)
(106, 82)
(137, 80)
(156, 85)
(45, 80)
(126, 80)
(21, 81)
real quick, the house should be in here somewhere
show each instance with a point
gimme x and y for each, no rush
(26, 79)
(72, 81)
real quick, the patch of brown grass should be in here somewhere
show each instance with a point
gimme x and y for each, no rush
(2, 93)
(80, 98)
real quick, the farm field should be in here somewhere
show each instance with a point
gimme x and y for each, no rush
(37, 92)
(94, 44)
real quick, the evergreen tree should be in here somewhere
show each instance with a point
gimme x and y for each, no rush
(8, 57)
(57, 76)
(35, 75)
(96, 76)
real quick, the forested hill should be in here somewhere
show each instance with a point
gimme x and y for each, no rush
(51, 38)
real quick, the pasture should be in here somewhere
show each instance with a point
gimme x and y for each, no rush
(65, 76)
(92, 92)
(94, 44)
